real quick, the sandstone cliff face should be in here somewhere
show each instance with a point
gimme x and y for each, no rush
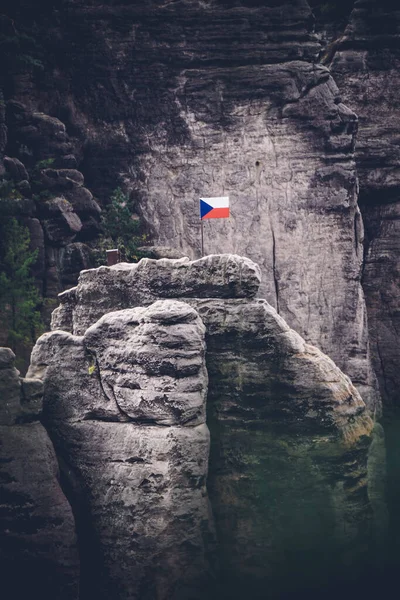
(38, 549)
(289, 434)
(177, 100)
(366, 67)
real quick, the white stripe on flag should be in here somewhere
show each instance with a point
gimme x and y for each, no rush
(219, 202)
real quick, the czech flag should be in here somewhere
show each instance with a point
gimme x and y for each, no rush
(214, 208)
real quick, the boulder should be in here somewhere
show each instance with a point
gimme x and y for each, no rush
(35, 136)
(16, 169)
(82, 201)
(59, 220)
(66, 162)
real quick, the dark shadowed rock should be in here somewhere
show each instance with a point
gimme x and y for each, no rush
(367, 66)
(36, 235)
(73, 259)
(58, 180)
(34, 135)
(38, 550)
(288, 463)
(15, 169)
(60, 221)
(160, 252)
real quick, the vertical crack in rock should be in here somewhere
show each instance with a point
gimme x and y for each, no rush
(276, 282)
(109, 393)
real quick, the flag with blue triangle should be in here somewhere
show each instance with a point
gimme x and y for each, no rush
(214, 208)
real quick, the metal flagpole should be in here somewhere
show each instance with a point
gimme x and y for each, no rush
(202, 239)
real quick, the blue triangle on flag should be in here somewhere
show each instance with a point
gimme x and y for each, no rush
(204, 208)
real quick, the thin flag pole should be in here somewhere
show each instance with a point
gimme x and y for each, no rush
(212, 208)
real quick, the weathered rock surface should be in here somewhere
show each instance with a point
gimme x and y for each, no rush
(60, 222)
(176, 100)
(47, 194)
(38, 549)
(35, 136)
(127, 416)
(289, 432)
(16, 169)
(101, 290)
(289, 438)
(125, 285)
(366, 67)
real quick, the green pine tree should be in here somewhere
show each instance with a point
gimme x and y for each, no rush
(121, 229)
(19, 297)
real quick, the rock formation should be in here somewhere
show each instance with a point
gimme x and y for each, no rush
(366, 67)
(127, 415)
(47, 194)
(38, 550)
(289, 434)
(180, 99)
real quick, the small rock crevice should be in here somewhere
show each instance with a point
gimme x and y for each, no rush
(274, 270)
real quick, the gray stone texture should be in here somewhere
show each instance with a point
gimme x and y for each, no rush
(127, 415)
(288, 461)
(59, 220)
(289, 432)
(125, 285)
(187, 99)
(38, 547)
(366, 67)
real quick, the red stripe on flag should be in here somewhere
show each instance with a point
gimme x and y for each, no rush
(217, 213)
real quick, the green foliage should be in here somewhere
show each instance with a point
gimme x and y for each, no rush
(19, 298)
(121, 229)
(43, 196)
(8, 190)
(44, 164)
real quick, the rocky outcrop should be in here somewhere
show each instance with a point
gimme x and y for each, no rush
(38, 550)
(289, 432)
(366, 67)
(59, 211)
(176, 100)
(124, 285)
(127, 416)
